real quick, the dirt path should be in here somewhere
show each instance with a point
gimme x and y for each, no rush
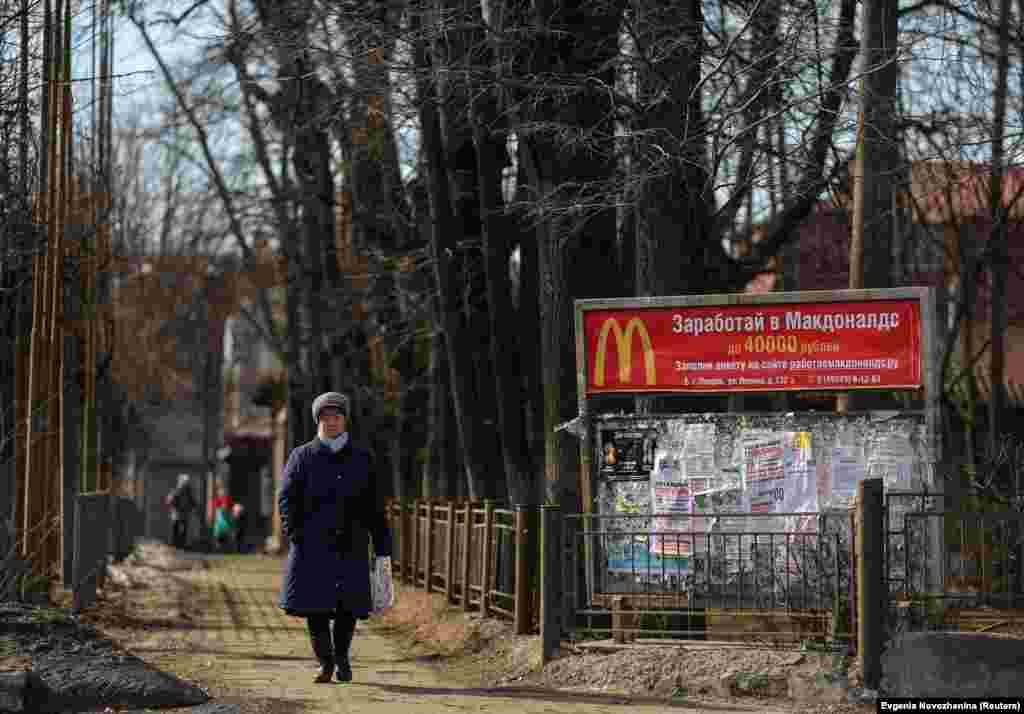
(233, 640)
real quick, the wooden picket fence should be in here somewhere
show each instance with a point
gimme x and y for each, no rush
(476, 553)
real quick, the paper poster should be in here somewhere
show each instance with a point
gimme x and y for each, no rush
(710, 507)
(768, 497)
(628, 552)
(763, 457)
(629, 501)
(670, 497)
(627, 452)
(801, 483)
(668, 468)
(848, 469)
(779, 477)
(671, 534)
(891, 458)
(699, 456)
(633, 557)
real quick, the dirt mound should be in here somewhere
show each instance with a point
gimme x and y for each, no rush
(487, 653)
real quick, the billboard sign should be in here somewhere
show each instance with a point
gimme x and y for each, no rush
(792, 344)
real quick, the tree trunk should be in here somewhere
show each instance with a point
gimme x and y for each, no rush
(483, 396)
(673, 235)
(299, 417)
(878, 155)
(531, 384)
(72, 427)
(444, 243)
(881, 148)
(504, 352)
(397, 443)
(549, 164)
(23, 113)
(673, 205)
(1000, 263)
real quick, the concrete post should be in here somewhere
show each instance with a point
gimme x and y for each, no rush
(871, 594)
(550, 572)
(92, 528)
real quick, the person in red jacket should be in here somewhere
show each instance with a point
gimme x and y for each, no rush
(221, 506)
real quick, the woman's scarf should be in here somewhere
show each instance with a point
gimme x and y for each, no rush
(337, 443)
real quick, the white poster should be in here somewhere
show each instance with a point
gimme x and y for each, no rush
(699, 456)
(779, 477)
(671, 530)
(671, 534)
(891, 458)
(763, 457)
(801, 483)
(724, 512)
(848, 469)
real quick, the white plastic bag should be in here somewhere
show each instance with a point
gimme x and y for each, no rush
(381, 585)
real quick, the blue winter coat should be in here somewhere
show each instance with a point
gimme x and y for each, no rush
(331, 500)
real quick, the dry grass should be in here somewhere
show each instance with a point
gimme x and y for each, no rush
(471, 650)
(425, 622)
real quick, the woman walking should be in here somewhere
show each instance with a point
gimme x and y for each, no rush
(329, 509)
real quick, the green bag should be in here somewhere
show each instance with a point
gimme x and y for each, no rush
(223, 523)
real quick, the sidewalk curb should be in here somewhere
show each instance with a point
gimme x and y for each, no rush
(19, 691)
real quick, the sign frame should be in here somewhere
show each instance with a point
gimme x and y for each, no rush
(930, 353)
(623, 336)
(929, 369)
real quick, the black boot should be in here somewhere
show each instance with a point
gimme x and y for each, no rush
(344, 628)
(322, 649)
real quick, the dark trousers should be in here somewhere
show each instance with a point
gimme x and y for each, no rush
(179, 532)
(344, 628)
(240, 535)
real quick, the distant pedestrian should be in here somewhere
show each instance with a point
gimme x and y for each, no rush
(221, 506)
(181, 504)
(330, 507)
(241, 518)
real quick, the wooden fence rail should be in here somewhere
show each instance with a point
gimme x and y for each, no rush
(476, 553)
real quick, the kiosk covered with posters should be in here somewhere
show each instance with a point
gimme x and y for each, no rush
(684, 505)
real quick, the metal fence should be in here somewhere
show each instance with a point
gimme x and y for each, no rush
(775, 578)
(953, 571)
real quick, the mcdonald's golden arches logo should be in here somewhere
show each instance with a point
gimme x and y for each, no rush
(624, 345)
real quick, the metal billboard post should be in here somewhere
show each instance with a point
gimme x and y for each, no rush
(931, 357)
(586, 460)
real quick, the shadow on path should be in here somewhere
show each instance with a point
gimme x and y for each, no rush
(555, 696)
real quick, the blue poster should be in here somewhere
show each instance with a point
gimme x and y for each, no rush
(634, 557)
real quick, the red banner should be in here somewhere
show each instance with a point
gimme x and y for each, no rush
(835, 346)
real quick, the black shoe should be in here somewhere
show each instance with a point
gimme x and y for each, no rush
(344, 628)
(324, 674)
(344, 672)
(322, 649)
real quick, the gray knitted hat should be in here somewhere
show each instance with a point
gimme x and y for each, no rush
(329, 399)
